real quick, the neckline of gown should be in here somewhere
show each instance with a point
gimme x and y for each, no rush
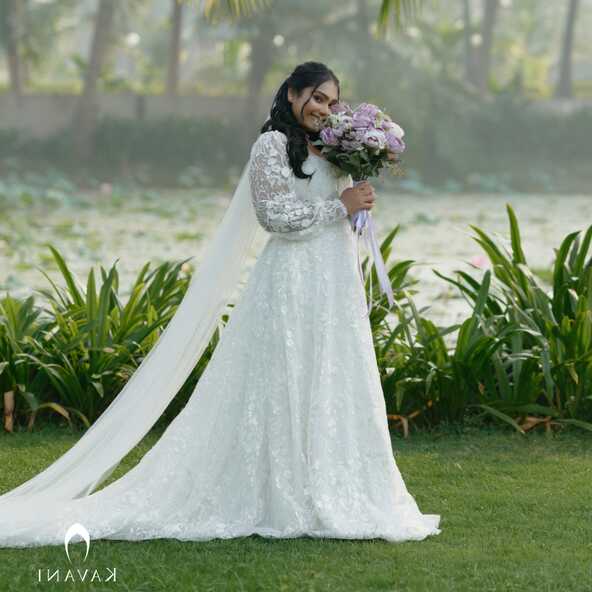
(329, 165)
(318, 157)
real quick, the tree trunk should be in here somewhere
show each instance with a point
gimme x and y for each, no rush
(25, 51)
(262, 54)
(484, 54)
(9, 411)
(176, 22)
(364, 58)
(469, 53)
(13, 31)
(564, 85)
(85, 118)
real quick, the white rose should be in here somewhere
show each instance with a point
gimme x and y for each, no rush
(395, 129)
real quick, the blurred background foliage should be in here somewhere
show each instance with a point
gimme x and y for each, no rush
(494, 95)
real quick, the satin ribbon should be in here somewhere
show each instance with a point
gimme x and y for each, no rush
(363, 224)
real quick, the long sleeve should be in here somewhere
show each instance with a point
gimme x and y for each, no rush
(277, 207)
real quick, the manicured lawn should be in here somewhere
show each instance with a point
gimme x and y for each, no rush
(516, 515)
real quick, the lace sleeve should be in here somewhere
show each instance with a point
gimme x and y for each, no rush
(277, 207)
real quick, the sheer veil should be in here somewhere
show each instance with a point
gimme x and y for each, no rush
(163, 371)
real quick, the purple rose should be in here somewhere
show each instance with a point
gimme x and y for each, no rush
(340, 124)
(393, 143)
(338, 131)
(362, 121)
(392, 128)
(368, 109)
(340, 108)
(351, 145)
(329, 137)
(375, 139)
(366, 115)
(358, 135)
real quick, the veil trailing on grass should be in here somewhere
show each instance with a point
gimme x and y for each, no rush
(163, 371)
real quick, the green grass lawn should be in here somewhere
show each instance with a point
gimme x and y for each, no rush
(516, 515)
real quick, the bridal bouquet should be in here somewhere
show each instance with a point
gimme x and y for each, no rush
(361, 142)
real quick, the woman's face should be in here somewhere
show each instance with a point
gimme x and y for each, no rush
(311, 106)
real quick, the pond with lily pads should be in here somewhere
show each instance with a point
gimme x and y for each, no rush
(97, 227)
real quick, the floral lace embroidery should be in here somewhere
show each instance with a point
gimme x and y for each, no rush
(273, 186)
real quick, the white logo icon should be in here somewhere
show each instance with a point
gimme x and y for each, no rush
(77, 529)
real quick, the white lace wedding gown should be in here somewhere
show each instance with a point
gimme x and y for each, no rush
(286, 433)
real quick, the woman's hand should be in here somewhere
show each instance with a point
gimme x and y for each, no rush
(359, 197)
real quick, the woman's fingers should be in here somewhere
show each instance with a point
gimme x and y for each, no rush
(366, 192)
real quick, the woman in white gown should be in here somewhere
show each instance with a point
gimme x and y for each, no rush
(286, 432)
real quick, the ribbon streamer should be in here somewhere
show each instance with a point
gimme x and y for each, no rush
(363, 224)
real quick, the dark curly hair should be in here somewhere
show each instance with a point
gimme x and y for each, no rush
(282, 118)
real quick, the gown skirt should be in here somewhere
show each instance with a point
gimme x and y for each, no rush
(286, 432)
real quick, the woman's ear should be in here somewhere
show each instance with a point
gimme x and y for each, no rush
(291, 96)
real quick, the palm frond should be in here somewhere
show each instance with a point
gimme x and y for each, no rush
(396, 8)
(217, 9)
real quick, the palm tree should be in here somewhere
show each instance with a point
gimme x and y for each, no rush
(564, 85)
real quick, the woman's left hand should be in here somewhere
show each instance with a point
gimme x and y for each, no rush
(392, 155)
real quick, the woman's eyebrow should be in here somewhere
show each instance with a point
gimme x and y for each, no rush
(326, 96)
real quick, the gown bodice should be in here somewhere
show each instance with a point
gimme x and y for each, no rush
(286, 205)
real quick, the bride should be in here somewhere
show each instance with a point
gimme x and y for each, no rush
(285, 434)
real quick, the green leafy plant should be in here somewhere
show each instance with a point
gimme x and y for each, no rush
(545, 367)
(523, 357)
(20, 325)
(95, 342)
